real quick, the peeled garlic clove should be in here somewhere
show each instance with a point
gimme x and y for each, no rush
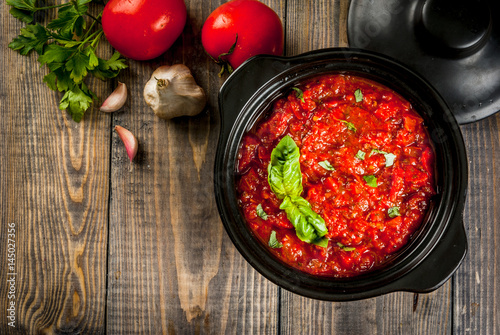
(131, 144)
(116, 100)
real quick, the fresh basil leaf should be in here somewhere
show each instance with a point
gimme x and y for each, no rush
(393, 212)
(358, 95)
(349, 125)
(273, 241)
(285, 180)
(326, 165)
(370, 180)
(343, 247)
(284, 174)
(309, 225)
(298, 93)
(260, 212)
(360, 155)
(321, 242)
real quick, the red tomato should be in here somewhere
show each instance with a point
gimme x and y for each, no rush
(143, 29)
(253, 26)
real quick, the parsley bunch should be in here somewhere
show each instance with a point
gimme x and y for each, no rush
(67, 45)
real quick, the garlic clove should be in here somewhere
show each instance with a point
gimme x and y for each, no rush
(131, 143)
(116, 100)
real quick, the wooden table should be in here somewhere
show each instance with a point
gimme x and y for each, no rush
(106, 246)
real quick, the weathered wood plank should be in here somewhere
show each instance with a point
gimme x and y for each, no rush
(477, 287)
(169, 256)
(322, 24)
(54, 187)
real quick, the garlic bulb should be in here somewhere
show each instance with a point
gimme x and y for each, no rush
(116, 100)
(172, 92)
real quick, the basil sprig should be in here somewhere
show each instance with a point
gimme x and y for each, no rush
(309, 225)
(285, 179)
(284, 174)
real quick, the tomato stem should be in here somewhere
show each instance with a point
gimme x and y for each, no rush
(224, 64)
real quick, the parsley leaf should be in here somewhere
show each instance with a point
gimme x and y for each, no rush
(76, 101)
(68, 48)
(77, 65)
(116, 63)
(273, 241)
(70, 19)
(32, 37)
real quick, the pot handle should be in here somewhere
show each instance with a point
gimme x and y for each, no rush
(439, 266)
(242, 84)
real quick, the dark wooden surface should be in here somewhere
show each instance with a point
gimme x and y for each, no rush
(106, 246)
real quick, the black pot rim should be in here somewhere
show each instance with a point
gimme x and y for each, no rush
(437, 250)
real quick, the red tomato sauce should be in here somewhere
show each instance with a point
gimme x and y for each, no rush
(329, 122)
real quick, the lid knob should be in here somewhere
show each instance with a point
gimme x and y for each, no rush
(454, 28)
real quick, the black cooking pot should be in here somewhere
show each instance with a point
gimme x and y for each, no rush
(434, 252)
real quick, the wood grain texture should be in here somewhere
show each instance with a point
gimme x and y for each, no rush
(477, 284)
(108, 246)
(54, 187)
(171, 256)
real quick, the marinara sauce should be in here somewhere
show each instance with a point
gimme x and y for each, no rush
(367, 168)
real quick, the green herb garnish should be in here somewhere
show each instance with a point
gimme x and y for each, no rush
(260, 212)
(326, 165)
(68, 47)
(309, 225)
(322, 242)
(389, 158)
(393, 212)
(360, 155)
(273, 241)
(285, 180)
(349, 125)
(343, 247)
(358, 95)
(298, 93)
(284, 174)
(370, 180)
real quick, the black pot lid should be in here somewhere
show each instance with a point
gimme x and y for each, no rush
(454, 44)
